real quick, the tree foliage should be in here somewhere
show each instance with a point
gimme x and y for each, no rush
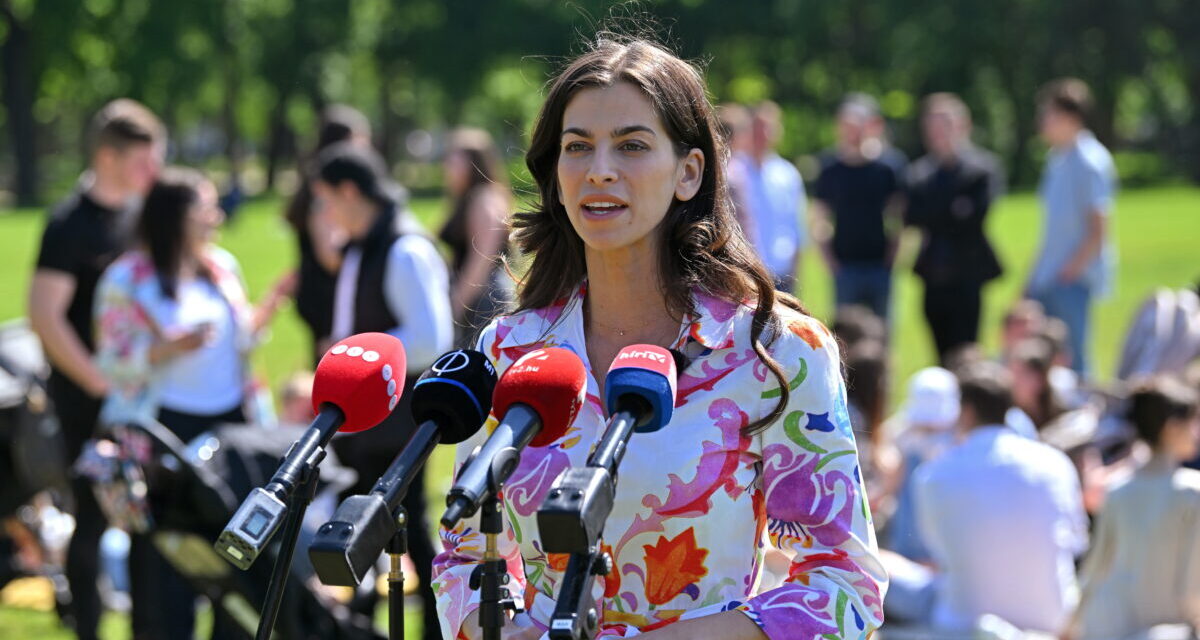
(243, 79)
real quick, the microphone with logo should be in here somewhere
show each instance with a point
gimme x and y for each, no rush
(538, 398)
(450, 402)
(639, 395)
(356, 385)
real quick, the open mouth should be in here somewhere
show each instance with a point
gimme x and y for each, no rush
(603, 208)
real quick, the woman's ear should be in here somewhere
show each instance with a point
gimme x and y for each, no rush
(691, 174)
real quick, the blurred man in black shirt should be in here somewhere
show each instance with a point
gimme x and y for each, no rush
(84, 234)
(950, 190)
(860, 195)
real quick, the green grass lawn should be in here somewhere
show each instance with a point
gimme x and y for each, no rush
(1157, 231)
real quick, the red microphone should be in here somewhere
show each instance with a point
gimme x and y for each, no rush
(357, 384)
(538, 397)
(362, 376)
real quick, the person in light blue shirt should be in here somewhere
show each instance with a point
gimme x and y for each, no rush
(1076, 259)
(772, 191)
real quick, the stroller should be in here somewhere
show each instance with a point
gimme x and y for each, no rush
(149, 481)
(32, 453)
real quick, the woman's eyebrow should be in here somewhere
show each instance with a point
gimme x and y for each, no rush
(582, 133)
(633, 128)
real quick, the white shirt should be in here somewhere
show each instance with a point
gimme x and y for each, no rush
(1003, 518)
(416, 289)
(207, 381)
(774, 193)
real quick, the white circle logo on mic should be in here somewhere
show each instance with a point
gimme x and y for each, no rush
(393, 401)
(339, 350)
(370, 356)
(391, 388)
(387, 372)
(451, 362)
(354, 352)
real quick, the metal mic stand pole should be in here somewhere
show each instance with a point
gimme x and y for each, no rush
(396, 548)
(297, 505)
(491, 576)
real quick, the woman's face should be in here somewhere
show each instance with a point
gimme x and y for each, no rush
(458, 172)
(1027, 384)
(203, 217)
(618, 170)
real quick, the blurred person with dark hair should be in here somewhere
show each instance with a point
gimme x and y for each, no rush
(83, 235)
(855, 323)
(1024, 319)
(866, 366)
(174, 333)
(773, 195)
(950, 191)
(858, 200)
(393, 280)
(319, 241)
(1144, 566)
(1077, 256)
(1002, 516)
(476, 231)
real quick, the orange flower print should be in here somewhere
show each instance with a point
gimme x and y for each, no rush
(558, 561)
(804, 329)
(673, 565)
(612, 581)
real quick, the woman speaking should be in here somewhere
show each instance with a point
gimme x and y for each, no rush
(633, 241)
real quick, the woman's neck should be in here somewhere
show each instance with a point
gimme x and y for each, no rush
(625, 301)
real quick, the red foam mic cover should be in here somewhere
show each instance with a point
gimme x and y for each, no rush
(363, 376)
(552, 382)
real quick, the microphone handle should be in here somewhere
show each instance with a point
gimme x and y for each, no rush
(485, 473)
(612, 445)
(394, 482)
(307, 452)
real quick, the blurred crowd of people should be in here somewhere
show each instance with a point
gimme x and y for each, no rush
(989, 485)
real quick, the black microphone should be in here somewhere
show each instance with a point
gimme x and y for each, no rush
(538, 396)
(356, 386)
(450, 402)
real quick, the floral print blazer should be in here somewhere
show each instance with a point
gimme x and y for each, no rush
(698, 500)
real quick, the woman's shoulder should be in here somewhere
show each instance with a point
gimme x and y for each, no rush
(799, 333)
(525, 328)
(221, 257)
(130, 267)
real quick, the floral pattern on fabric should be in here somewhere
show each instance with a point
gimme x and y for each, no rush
(126, 330)
(698, 500)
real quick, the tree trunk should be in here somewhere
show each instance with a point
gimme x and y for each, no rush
(18, 87)
(233, 141)
(276, 147)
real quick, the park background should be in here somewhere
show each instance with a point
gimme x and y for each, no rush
(240, 83)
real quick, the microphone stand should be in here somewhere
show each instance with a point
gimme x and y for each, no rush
(297, 505)
(396, 548)
(571, 520)
(491, 577)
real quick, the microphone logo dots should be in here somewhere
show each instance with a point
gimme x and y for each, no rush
(392, 403)
(354, 352)
(387, 372)
(391, 388)
(370, 356)
(339, 350)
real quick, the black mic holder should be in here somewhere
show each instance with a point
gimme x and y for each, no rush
(297, 504)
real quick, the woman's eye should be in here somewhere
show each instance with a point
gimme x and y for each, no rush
(576, 146)
(633, 145)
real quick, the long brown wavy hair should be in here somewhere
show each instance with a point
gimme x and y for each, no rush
(703, 246)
